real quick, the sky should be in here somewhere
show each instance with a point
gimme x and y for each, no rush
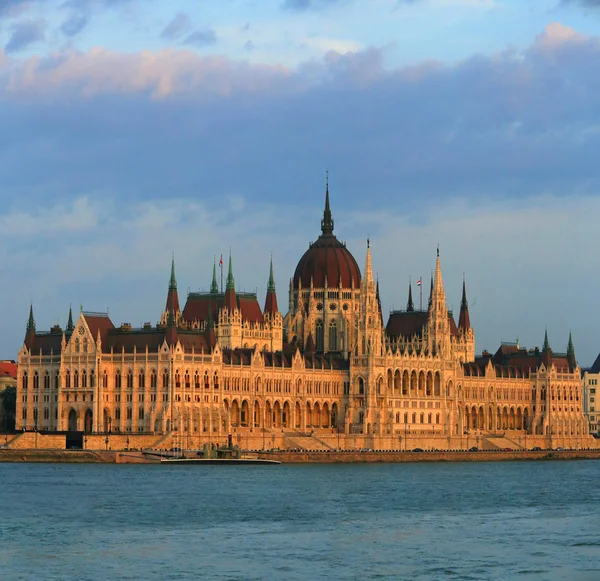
(132, 130)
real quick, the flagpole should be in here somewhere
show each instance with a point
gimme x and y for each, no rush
(421, 293)
(221, 267)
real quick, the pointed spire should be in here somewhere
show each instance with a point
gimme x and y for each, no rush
(173, 281)
(368, 277)
(570, 348)
(230, 301)
(31, 321)
(546, 346)
(271, 284)
(431, 291)
(378, 300)
(70, 325)
(464, 321)
(230, 279)
(214, 287)
(271, 298)
(172, 306)
(410, 306)
(571, 353)
(327, 221)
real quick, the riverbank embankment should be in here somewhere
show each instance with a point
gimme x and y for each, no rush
(300, 457)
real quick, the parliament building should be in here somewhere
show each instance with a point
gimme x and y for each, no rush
(330, 373)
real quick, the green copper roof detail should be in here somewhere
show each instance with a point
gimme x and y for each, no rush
(570, 348)
(230, 279)
(214, 287)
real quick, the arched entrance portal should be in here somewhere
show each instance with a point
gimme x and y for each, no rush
(72, 421)
(87, 426)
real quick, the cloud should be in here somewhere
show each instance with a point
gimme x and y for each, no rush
(584, 3)
(25, 33)
(12, 8)
(301, 5)
(180, 24)
(74, 24)
(202, 37)
(492, 157)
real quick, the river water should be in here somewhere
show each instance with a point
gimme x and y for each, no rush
(425, 521)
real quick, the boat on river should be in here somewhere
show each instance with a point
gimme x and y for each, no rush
(222, 461)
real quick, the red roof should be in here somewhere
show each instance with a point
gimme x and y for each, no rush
(98, 322)
(8, 369)
(406, 323)
(196, 307)
(327, 258)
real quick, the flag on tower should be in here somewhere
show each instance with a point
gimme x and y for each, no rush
(419, 282)
(221, 261)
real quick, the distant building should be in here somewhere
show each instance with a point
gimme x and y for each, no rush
(8, 379)
(590, 386)
(330, 367)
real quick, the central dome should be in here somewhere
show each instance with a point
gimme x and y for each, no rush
(327, 259)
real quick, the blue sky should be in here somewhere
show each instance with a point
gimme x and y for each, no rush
(131, 129)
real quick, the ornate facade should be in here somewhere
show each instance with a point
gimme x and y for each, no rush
(329, 369)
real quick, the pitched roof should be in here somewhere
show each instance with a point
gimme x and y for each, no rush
(98, 322)
(595, 368)
(406, 323)
(8, 369)
(197, 304)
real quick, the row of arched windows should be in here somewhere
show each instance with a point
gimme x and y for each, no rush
(405, 383)
(320, 336)
(421, 418)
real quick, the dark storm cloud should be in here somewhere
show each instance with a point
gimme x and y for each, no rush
(24, 34)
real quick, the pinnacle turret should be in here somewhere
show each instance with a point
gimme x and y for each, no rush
(173, 281)
(230, 301)
(546, 346)
(571, 353)
(172, 311)
(230, 279)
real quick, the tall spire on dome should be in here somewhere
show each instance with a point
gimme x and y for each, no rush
(410, 306)
(327, 221)
(464, 321)
(271, 283)
(214, 287)
(30, 333)
(70, 325)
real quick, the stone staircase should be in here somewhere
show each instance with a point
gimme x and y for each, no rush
(164, 441)
(305, 442)
(499, 443)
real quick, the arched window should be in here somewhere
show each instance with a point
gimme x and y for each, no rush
(406, 418)
(92, 379)
(186, 378)
(85, 345)
(153, 378)
(105, 379)
(177, 379)
(206, 381)
(84, 378)
(68, 378)
(118, 379)
(216, 381)
(332, 336)
(414, 418)
(319, 335)
(141, 414)
(36, 380)
(46, 380)
(141, 379)
(422, 418)
(117, 413)
(25, 380)
(196, 379)
(76, 345)
(130, 379)
(129, 413)
(56, 380)
(46, 413)
(361, 386)
(165, 379)
(76, 379)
